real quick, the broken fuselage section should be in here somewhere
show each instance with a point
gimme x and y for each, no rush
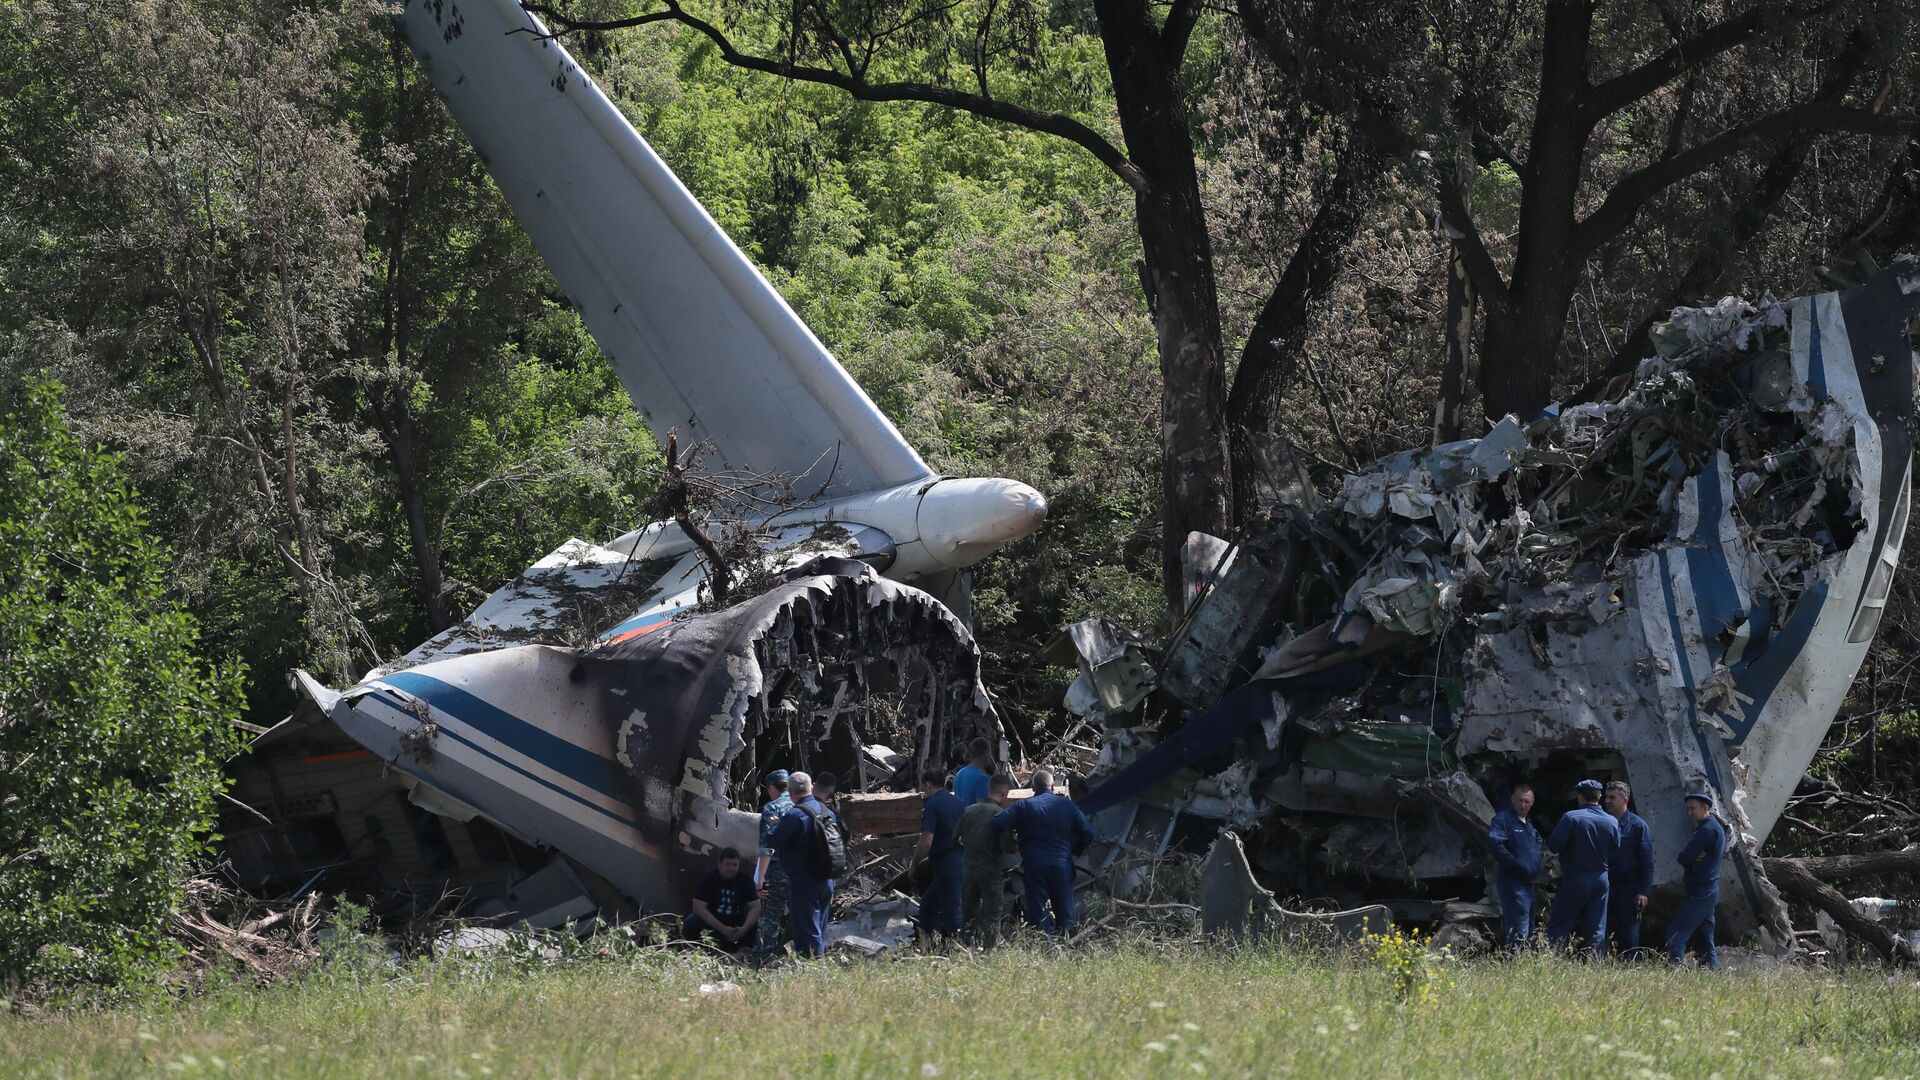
(1672, 586)
(630, 762)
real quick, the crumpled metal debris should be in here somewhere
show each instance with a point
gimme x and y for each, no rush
(1235, 906)
(1672, 586)
(1115, 673)
(704, 700)
(876, 925)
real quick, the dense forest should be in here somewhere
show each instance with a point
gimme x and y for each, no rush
(1151, 258)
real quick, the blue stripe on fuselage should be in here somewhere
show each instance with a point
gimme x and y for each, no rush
(1742, 869)
(1816, 360)
(638, 622)
(575, 762)
(1715, 596)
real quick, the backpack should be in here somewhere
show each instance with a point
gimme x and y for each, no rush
(826, 845)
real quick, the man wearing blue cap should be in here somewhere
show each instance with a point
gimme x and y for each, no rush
(1516, 856)
(767, 872)
(1629, 872)
(1692, 924)
(1585, 839)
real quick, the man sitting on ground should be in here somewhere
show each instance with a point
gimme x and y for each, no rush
(726, 904)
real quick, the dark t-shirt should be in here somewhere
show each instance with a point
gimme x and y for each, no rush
(728, 900)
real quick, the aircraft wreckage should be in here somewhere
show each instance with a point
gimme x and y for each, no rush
(1673, 585)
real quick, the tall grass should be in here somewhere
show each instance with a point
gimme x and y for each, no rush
(1126, 1009)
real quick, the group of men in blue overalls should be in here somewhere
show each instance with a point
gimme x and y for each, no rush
(1606, 868)
(963, 836)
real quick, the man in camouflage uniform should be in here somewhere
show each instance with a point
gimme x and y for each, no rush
(767, 872)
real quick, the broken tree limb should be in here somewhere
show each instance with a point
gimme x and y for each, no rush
(1840, 867)
(1794, 879)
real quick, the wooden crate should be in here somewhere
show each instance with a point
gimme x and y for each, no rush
(880, 813)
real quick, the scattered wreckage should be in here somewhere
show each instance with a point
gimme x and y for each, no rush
(1672, 585)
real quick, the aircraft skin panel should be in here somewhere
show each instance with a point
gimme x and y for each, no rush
(700, 339)
(1779, 742)
(516, 738)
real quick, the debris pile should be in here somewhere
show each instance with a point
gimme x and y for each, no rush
(1672, 585)
(219, 927)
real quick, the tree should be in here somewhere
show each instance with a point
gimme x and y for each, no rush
(990, 59)
(277, 279)
(239, 207)
(1615, 104)
(113, 731)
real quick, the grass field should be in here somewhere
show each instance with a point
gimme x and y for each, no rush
(1026, 1011)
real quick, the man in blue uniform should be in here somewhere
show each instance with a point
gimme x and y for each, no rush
(939, 817)
(767, 873)
(1692, 924)
(970, 783)
(808, 895)
(1585, 839)
(1516, 856)
(1051, 831)
(1629, 872)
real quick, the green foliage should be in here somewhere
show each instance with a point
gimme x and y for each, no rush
(112, 729)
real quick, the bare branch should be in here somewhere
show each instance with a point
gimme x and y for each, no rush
(1757, 22)
(1801, 879)
(1634, 189)
(1682, 112)
(1489, 149)
(1178, 31)
(1479, 263)
(855, 84)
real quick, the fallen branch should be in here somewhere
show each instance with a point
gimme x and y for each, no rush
(1088, 930)
(1797, 881)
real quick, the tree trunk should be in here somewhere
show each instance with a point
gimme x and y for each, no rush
(1522, 342)
(1518, 351)
(392, 417)
(396, 430)
(1178, 275)
(1262, 463)
(1459, 325)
